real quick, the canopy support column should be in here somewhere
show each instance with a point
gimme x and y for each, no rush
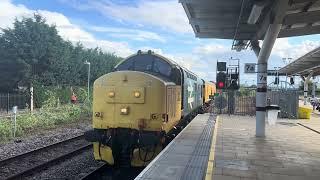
(255, 47)
(313, 87)
(305, 88)
(268, 42)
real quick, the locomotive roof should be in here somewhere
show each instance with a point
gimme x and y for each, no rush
(170, 61)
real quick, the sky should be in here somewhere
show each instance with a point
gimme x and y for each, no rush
(125, 26)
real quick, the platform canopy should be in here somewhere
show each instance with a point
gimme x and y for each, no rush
(304, 65)
(243, 20)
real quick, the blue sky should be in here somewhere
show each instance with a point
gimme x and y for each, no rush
(125, 26)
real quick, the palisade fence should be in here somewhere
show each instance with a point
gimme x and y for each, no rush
(243, 102)
(8, 100)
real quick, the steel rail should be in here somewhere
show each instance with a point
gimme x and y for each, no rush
(7, 160)
(49, 163)
(94, 172)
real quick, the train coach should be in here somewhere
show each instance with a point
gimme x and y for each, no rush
(138, 106)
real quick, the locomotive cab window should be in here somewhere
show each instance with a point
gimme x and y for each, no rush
(126, 65)
(161, 67)
(143, 63)
(153, 65)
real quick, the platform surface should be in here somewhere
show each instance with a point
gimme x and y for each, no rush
(288, 152)
(186, 157)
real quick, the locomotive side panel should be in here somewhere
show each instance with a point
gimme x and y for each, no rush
(173, 106)
(192, 88)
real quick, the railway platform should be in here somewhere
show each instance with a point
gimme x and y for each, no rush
(225, 148)
(186, 157)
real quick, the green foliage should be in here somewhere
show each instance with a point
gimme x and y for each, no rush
(49, 116)
(52, 96)
(244, 91)
(32, 52)
(46, 118)
(310, 84)
(81, 94)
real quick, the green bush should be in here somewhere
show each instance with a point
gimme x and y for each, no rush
(5, 129)
(46, 118)
(56, 95)
(81, 94)
(51, 114)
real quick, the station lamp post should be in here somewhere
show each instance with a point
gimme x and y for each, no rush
(287, 61)
(277, 80)
(88, 63)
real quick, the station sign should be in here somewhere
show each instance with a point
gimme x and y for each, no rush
(249, 68)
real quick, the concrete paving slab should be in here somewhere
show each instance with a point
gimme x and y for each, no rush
(288, 151)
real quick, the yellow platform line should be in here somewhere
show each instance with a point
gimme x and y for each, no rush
(210, 166)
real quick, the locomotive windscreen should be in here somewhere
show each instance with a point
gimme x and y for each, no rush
(146, 63)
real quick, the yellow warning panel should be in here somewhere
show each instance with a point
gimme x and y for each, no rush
(304, 112)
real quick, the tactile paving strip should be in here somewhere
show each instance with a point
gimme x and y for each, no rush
(196, 166)
(187, 156)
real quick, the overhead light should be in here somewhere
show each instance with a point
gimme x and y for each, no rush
(255, 13)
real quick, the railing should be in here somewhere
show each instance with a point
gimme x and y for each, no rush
(8, 100)
(243, 102)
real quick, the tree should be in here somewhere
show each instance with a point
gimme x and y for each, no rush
(27, 50)
(310, 84)
(32, 51)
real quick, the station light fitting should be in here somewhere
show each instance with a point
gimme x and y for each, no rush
(255, 13)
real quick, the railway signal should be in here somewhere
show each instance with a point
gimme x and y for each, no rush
(221, 77)
(221, 80)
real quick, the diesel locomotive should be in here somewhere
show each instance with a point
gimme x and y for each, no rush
(138, 107)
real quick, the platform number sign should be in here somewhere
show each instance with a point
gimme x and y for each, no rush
(262, 78)
(249, 68)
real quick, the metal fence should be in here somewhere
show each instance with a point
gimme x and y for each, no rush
(243, 102)
(287, 100)
(8, 100)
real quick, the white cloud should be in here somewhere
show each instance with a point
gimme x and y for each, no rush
(133, 34)
(211, 49)
(166, 14)
(9, 11)
(65, 28)
(284, 49)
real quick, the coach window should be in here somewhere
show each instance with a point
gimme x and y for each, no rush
(162, 67)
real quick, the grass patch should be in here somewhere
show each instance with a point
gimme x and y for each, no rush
(46, 118)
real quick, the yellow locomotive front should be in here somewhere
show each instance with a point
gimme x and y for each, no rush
(132, 113)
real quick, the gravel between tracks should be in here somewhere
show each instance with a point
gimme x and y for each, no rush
(73, 168)
(43, 138)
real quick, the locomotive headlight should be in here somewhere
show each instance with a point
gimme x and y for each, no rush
(137, 94)
(111, 94)
(124, 111)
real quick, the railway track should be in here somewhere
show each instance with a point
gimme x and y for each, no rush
(105, 172)
(98, 172)
(25, 164)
